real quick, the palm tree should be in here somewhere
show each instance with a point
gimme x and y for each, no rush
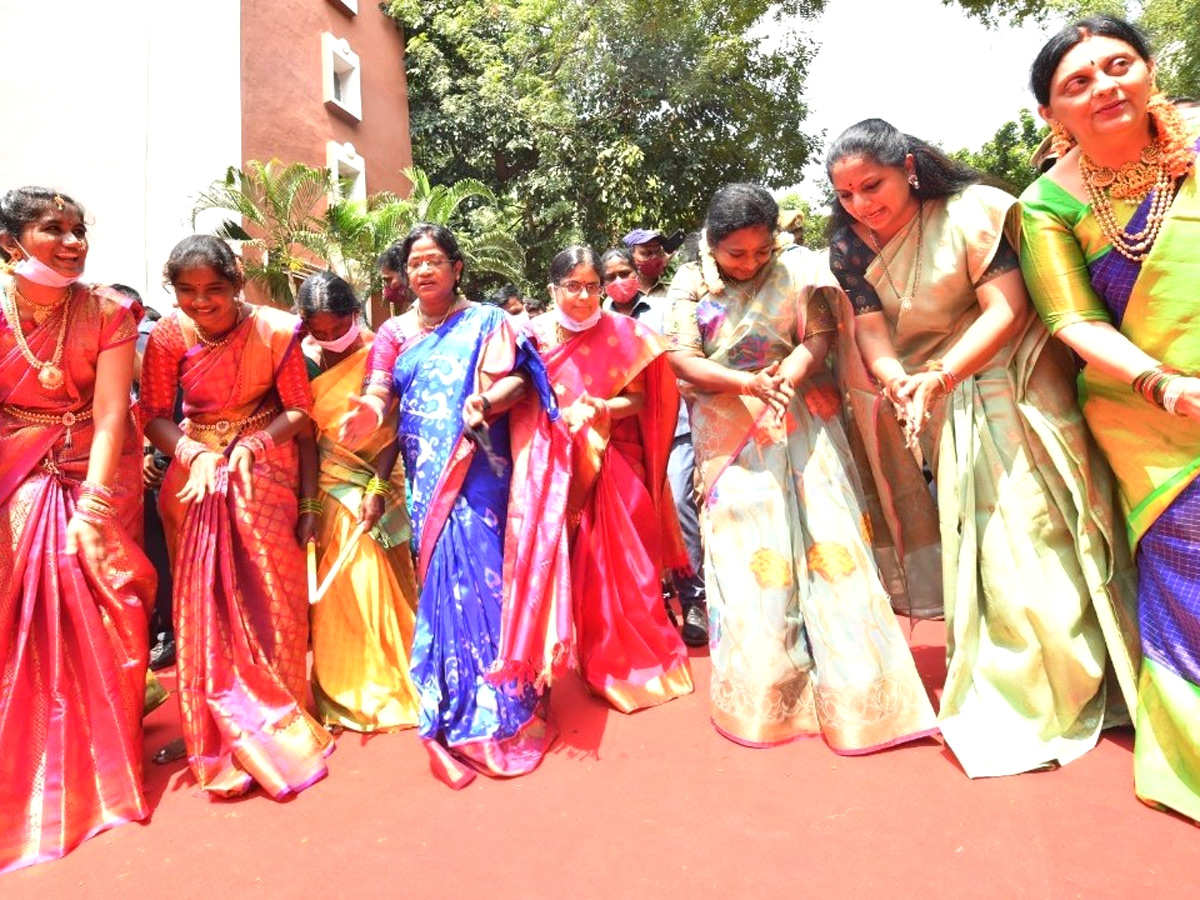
(278, 205)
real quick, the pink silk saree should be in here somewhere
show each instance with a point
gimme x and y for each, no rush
(241, 608)
(623, 522)
(72, 641)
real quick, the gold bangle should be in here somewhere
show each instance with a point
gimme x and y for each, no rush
(310, 505)
(378, 487)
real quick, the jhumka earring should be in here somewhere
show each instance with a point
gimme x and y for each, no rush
(1060, 139)
(915, 182)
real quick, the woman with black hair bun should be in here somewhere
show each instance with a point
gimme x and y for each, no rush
(74, 585)
(362, 625)
(801, 635)
(487, 511)
(1110, 240)
(948, 370)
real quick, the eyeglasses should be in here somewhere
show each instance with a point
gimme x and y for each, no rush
(434, 262)
(579, 287)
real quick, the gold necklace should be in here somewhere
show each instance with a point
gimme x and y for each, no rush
(213, 343)
(49, 375)
(423, 322)
(41, 311)
(1102, 184)
(906, 303)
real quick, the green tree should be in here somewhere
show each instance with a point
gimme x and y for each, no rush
(587, 118)
(277, 209)
(1173, 26)
(1006, 156)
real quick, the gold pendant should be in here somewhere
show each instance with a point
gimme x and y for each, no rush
(50, 377)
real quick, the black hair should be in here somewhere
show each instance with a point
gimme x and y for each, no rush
(440, 235)
(622, 253)
(738, 206)
(126, 291)
(150, 314)
(392, 258)
(882, 142)
(326, 292)
(1041, 73)
(536, 305)
(568, 259)
(21, 206)
(204, 250)
(501, 296)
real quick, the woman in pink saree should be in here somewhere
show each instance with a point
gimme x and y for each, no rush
(230, 510)
(618, 396)
(73, 584)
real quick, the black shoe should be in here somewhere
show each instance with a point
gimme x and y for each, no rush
(162, 654)
(695, 625)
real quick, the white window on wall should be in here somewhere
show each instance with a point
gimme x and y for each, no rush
(340, 77)
(350, 7)
(349, 171)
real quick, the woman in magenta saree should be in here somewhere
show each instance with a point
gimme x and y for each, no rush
(229, 508)
(483, 553)
(618, 394)
(72, 624)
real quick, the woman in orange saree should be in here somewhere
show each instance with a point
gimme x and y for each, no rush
(73, 584)
(229, 508)
(619, 398)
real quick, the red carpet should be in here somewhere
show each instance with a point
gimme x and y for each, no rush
(650, 805)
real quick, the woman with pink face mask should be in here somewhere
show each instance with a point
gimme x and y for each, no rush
(74, 585)
(362, 628)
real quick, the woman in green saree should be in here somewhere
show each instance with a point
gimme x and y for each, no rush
(947, 368)
(1111, 252)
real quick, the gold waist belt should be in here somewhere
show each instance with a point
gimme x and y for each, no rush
(220, 434)
(67, 419)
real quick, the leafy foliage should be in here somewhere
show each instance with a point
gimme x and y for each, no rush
(279, 208)
(587, 118)
(1006, 156)
(276, 209)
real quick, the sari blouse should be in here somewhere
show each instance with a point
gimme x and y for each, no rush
(230, 381)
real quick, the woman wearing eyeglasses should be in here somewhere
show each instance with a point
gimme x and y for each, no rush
(484, 552)
(619, 399)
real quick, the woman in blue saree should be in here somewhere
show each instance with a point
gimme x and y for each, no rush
(457, 369)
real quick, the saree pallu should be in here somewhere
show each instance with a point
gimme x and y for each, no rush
(240, 601)
(1074, 276)
(72, 640)
(475, 709)
(623, 513)
(802, 637)
(1035, 576)
(362, 630)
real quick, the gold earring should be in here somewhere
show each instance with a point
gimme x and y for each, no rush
(1060, 139)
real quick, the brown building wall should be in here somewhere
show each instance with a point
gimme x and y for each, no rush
(283, 113)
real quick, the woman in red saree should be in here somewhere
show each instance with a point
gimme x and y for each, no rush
(230, 510)
(73, 584)
(619, 399)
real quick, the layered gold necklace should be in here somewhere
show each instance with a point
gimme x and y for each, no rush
(49, 373)
(1131, 181)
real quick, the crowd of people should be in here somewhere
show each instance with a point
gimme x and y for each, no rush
(971, 406)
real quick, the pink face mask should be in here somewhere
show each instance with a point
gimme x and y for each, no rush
(652, 268)
(40, 273)
(622, 290)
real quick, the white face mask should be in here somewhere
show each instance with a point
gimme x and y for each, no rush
(40, 273)
(343, 343)
(574, 324)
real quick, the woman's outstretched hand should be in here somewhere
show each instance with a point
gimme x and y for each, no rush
(365, 415)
